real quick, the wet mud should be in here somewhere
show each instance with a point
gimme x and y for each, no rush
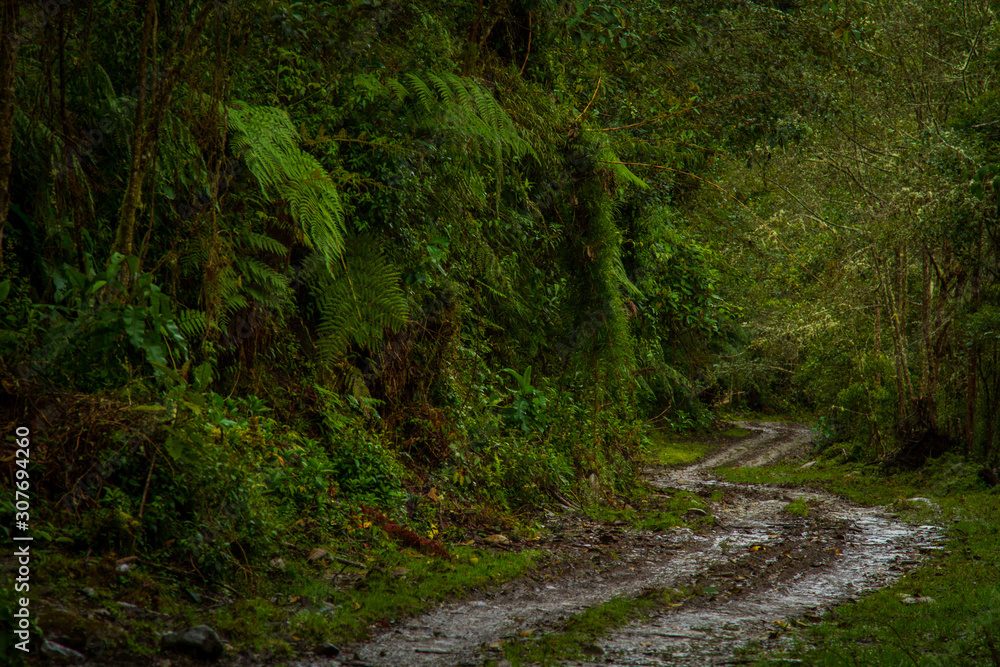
(759, 565)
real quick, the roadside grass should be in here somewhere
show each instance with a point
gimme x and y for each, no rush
(297, 608)
(400, 585)
(946, 612)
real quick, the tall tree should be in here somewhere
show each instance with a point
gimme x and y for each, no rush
(156, 89)
(8, 63)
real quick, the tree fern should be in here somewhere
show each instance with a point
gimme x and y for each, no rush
(357, 298)
(268, 143)
(462, 105)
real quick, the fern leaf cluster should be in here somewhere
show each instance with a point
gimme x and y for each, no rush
(460, 104)
(358, 299)
(268, 143)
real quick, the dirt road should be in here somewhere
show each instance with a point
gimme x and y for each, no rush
(759, 563)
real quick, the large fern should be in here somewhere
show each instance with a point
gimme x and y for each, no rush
(268, 144)
(460, 105)
(358, 299)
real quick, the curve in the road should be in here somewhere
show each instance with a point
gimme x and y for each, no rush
(865, 548)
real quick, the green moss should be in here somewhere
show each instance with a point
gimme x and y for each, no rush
(670, 451)
(797, 507)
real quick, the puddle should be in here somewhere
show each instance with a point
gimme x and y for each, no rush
(768, 564)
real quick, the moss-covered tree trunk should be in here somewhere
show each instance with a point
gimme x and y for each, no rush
(8, 62)
(131, 201)
(155, 94)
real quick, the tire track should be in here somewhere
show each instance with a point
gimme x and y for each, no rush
(773, 565)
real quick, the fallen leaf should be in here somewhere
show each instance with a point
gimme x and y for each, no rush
(497, 539)
(433, 494)
(318, 553)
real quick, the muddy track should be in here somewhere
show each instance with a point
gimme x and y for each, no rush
(759, 564)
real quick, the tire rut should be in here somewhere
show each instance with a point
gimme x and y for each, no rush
(765, 564)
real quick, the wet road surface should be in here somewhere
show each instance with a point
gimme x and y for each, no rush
(767, 565)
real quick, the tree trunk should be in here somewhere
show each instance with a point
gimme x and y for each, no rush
(894, 290)
(991, 388)
(8, 72)
(970, 400)
(125, 235)
(928, 365)
(972, 370)
(154, 100)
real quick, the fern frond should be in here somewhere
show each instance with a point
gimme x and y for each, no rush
(442, 87)
(610, 161)
(358, 299)
(268, 143)
(463, 95)
(191, 324)
(423, 91)
(263, 243)
(398, 89)
(467, 108)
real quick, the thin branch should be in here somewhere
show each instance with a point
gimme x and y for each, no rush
(809, 211)
(598, 87)
(529, 46)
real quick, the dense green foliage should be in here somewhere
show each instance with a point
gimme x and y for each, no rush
(313, 257)
(447, 259)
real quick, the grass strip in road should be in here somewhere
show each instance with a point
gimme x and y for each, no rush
(577, 638)
(668, 448)
(946, 612)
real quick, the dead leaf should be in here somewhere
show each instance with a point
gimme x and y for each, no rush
(317, 553)
(433, 494)
(500, 540)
